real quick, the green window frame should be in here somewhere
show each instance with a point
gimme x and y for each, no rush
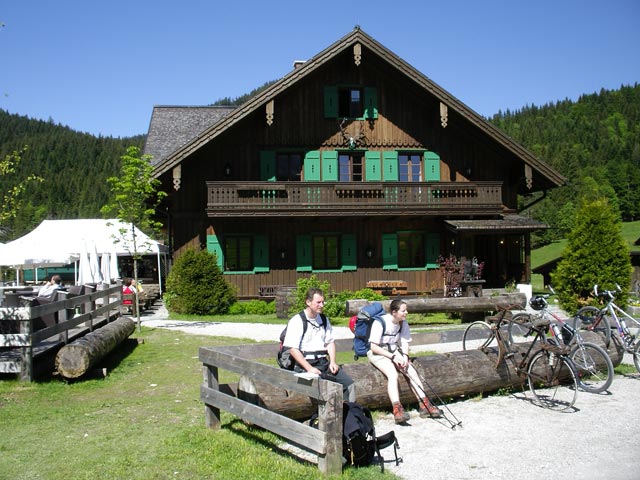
(330, 166)
(311, 166)
(267, 166)
(350, 101)
(390, 166)
(410, 250)
(240, 253)
(373, 167)
(431, 167)
(326, 252)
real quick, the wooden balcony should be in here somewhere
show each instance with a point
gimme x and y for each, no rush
(230, 199)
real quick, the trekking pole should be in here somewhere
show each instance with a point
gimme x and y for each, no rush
(434, 394)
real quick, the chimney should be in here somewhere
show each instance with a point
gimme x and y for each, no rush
(297, 64)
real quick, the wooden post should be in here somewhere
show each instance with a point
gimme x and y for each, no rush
(211, 414)
(330, 422)
(26, 368)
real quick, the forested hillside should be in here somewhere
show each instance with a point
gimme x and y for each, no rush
(594, 142)
(74, 167)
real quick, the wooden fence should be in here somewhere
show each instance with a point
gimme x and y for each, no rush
(21, 341)
(325, 441)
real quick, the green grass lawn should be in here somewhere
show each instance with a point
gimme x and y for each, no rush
(144, 420)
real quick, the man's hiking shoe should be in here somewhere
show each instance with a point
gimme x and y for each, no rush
(399, 415)
(427, 409)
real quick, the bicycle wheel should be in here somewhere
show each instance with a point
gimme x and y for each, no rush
(479, 336)
(552, 381)
(636, 355)
(518, 327)
(593, 366)
(589, 318)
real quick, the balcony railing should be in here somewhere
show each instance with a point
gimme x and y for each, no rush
(352, 198)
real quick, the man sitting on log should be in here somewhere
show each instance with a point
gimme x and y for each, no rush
(389, 353)
(314, 350)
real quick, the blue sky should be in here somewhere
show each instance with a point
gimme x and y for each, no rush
(100, 67)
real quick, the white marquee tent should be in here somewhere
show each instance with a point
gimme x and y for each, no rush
(56, 243)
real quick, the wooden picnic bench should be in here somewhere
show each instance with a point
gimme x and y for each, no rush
(388, 287)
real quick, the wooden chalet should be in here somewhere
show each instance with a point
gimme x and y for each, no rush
(354, 167)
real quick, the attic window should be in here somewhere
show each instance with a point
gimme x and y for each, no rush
(350, 102)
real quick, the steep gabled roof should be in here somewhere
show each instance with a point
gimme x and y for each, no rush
(358, 36)
(172, 127)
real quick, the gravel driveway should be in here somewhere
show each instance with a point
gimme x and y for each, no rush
(501, 437)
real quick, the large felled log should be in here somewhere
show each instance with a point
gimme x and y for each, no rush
(450, 375)
(75, 359)
(449, 304)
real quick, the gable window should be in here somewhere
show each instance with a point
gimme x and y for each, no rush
(410, 167)
(238, 254)
(341, 101)
(350, 167)
(288, 166)
(350, 103)
(326, 252)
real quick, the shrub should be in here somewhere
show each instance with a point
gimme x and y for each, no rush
(196, 286)
(596, 253)
(253, 307)
(334, 302)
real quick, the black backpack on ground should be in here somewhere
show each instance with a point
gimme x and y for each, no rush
(359, 442)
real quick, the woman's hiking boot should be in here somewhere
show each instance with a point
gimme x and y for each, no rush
(399, 415)
(428, 409)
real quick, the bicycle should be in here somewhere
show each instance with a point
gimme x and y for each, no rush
(545, 369)
(597, 320)
(593, 364)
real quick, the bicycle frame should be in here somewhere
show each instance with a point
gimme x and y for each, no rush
(627, 337)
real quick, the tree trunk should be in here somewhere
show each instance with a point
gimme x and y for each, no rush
(77, 358)
(450, 375)
(516, 301)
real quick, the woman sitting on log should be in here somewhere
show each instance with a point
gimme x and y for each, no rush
(389, 353)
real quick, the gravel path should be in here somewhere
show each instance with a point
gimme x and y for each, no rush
(501, 437)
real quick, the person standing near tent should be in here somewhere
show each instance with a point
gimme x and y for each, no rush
(49, 289)
(389, 353)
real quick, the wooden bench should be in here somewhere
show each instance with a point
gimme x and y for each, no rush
(268, 291)
(388, 287)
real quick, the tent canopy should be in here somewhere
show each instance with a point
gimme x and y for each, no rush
(60, 242)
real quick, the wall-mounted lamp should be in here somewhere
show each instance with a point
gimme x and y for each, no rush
(369, 252)
(283, 253)
(227, 170)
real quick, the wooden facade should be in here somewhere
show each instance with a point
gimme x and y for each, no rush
(353, 167)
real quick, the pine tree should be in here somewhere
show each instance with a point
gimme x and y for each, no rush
(595, 253)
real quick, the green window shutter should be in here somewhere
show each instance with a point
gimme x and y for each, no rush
(312, 166)
(330, 166)
(267, 166)
(431, 167)
(348, 250)
(432, 249)
(303, 253)
(372, 166)
(331, 102)
(389, 251)
(370, 103)
(390, 166)
(260, 254)
(213, 246)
